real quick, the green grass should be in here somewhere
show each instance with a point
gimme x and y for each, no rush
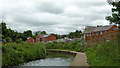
(14, 54)
(104, 54)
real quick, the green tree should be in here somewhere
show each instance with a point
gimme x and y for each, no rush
(76, 34)
(8, 39)
(115, 17)
(19, 40)
(43, 32)
(56, 35)
(27, 34)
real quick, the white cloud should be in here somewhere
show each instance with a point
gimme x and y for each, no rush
(54, 17)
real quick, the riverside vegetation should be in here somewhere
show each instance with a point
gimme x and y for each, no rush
(17, 53)
(104, 54)
(14, 54)
(72, 46)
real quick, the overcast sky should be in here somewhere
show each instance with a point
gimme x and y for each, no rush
(54, 16)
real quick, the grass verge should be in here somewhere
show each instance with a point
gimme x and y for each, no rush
(104, 54)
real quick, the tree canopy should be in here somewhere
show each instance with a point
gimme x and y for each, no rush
(9, 35)
(76, 34)
(115, 17)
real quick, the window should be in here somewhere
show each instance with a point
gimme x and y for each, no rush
(97, 33)
(101, 33)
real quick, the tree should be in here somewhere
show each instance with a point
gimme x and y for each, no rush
(56, 35)
(76, 34)
(43, 32)
(27, 34)
(115, 18)
(19, 40)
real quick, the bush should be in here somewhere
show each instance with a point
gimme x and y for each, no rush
(15, 54)
(73, 46)
(19, 40)
(104, 54)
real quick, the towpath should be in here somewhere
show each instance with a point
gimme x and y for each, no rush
(80, 59)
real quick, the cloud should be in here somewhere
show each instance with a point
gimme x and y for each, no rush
(54, 17)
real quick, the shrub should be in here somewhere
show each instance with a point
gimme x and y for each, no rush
(15, 54)
(74, 46)
(104, 54)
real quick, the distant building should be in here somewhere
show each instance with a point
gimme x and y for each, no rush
(30, 40)
(45, 38)
(94, 34)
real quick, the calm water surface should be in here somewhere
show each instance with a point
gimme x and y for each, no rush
(52, 59)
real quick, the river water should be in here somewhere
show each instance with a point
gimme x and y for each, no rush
(52, 59)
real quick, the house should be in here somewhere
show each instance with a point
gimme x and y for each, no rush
(45, 38)
(30, 40)
(95, 34)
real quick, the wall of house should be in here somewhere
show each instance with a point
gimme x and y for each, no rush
(103, 32)
(30, 40)
(37, 39)
(104, 37)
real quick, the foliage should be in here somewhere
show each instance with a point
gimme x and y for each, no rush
(104, 54)
(76, 34)
(14, 54)
(27, 34)
(43, 32)
(73, 46)
(19, 40)
(56, 35)
(9, 35)
(115, 18)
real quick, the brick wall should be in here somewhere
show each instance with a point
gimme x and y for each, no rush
(104, 37)
(37, 39)
(30, 40)
(50, 38)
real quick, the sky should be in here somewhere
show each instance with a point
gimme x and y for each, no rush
(53, 16)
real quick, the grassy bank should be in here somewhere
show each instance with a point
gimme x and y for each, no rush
(72, 46)
(14, 54)
(104, 54)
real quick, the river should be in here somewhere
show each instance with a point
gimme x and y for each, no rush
(52, 59)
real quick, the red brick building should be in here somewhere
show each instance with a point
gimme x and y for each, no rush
(45, 38)
(30, 40)
(96, 34)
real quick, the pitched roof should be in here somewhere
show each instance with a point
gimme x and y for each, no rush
(91, 28)
(101, 28)
(43, 35)
(46, 35)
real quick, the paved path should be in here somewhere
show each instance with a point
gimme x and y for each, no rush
(80, 59)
